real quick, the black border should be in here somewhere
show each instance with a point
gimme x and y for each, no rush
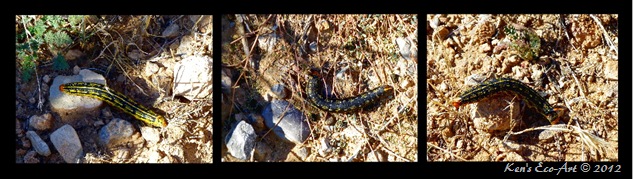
(422, 168)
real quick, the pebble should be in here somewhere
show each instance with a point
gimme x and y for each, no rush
(611, 70)
(46, 79)
(41, 122)
(38, 144)
(171, 31)
(240, 141)
(546, 135)
(292, 127)
(67, 143)
(117, 131)
(150, 134)
(30, 157)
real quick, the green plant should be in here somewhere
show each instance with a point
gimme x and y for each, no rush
(47, 37)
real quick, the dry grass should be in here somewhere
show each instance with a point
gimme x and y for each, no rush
(359, 49)
(572, 71)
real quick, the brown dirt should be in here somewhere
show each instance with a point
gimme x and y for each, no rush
(121, 49)
(574, 70)
(362, 43)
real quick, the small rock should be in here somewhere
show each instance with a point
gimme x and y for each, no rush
(279, 90)
(484, 48)
(150, 134)
(174, 135)
(38, 144)
(73, 54)
(267, 42)
(30, 157)
(67, 143)
(301, 152)
(407, 50)
(42, 122)
(325, 148)
(292, 127)
(192, 77)
(98, 123)
(117, 131)
(513, 157)
(493, 113)
(25, 143)
(227, 83)
(76, 70)
(46, 78)
(171, 31)
(376, 156)
(441, 33)
(32, 100)
(546, 135)
(509, 146)
(240, 141)
(611, 70)
(150, 69)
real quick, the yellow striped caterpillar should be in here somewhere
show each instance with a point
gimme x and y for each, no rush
(345, 105)
(508, 84)
(118, 100)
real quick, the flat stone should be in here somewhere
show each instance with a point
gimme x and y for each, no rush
(41, 122)
(192, 77)
(240, 141)
(67, 143)
(117, 131)
(38, 144)
(286, 121)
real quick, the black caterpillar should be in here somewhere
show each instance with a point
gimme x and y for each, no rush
(344, 105)
(508, 84)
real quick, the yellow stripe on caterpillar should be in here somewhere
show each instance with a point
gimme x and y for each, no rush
(116, 99)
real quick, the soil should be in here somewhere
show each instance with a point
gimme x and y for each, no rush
(353, 53)
(138, 61)
(574, 68)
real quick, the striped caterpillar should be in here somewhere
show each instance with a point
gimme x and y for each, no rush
(344, 105)
(127, 105)
(508, 84)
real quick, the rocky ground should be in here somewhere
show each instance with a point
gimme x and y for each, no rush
(142, 57)
(571, 60)
(266, 60)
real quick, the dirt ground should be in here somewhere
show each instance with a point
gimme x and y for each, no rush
(355, 53)
(138, 61)
(571, 60)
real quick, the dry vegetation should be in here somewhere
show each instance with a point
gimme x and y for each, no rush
(576, 69)
(137, 60)
(359, 49)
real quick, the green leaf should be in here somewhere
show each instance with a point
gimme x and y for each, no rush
(74, 20)
(59, 62)
(38, 29)
(57, 39)
(27, 65)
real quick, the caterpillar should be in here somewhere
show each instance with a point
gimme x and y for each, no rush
(344, 105)
(508, 84)
(116, 99)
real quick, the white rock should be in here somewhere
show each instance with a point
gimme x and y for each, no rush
(41, 123)
(241, 140)
(38, 144)
(67, 143)
(192, 77)
(150, 134)
(117, 131)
